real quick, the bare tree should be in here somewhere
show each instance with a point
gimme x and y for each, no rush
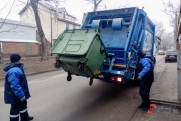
(171, 10)
(34, 5)
(159, 33)
(2, 23)
(160, 29)
(104, 5)
(118, 5)
(95, 3)
(7, 13)
(166, 37)
(167, 40)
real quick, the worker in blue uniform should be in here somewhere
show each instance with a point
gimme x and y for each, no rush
(145, 77)
(16, 90)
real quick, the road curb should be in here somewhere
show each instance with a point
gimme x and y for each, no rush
(35, 73)
(166, 102)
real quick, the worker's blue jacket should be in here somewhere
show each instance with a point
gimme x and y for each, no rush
(16, 85)
(145, 69)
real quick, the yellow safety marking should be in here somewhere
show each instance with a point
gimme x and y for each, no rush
(120, 65)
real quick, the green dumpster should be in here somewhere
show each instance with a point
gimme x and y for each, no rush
(80, 52)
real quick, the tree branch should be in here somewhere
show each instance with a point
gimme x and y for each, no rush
(3, 7)
(7, 14)
(99, 2)
(171, 10)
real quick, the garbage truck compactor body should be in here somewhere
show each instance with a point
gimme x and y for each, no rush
(116, 36)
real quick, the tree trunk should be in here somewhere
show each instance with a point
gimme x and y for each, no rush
(96, 4)
(34, 5)
(95, 8)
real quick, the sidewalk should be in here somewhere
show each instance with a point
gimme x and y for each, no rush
(163, 94)
(165, 86)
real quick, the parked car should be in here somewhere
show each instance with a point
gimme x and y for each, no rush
(170, 55)
(161, 52)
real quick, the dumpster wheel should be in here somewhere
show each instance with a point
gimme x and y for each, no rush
(57, 64)
(91, 81)
(81, 67)
(69, 77)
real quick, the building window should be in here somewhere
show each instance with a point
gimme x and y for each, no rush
(67, 26)
(74, 26)
(64, 14)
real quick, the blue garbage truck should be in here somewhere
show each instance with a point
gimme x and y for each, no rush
(122, 33)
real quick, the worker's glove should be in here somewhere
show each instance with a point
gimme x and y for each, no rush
(23, 98)
(139, 78)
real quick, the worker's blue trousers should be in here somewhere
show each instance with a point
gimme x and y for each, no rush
(18, 109)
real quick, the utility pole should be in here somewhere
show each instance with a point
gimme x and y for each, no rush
(177, 33)
(51, 25)
(1, 54)
(179, 68)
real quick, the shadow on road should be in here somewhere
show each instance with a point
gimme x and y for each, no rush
(106, 98)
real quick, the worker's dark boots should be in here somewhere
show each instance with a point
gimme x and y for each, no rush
(28, 119)
(143, 108)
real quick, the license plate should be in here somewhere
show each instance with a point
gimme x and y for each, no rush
(171, 56)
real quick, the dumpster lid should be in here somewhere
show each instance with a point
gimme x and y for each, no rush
(74, 42)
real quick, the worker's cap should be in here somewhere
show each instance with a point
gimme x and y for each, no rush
(15, 58)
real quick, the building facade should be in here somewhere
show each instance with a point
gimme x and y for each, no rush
(54, 20)
(18, 37)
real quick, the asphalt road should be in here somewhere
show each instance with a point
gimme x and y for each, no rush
(56, 99)
(159, 57)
